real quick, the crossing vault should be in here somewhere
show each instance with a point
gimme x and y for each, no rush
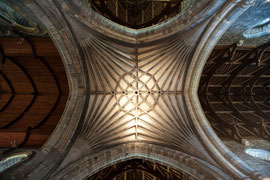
(133, 93)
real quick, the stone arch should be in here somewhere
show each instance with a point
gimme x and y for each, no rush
(92, 163)
(55, 14)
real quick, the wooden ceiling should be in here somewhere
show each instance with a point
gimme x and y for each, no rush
(34, 91)
(137, 13)
(235, 92)
(138, 169)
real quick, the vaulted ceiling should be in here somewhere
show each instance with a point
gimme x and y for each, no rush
(130, 79)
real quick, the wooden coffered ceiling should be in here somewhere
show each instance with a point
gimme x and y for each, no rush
(137, 13)
(138, 169)
(235, 90)
(34, 91)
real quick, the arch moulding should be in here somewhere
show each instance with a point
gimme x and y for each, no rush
(175, 132)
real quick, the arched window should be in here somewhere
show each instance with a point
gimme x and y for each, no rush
(260, 29)
(258, 153)
(12, 160)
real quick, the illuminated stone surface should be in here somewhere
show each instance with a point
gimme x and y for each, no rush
(100, 56)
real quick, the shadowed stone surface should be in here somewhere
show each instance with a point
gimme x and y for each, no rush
(256, 163)
(255, 14)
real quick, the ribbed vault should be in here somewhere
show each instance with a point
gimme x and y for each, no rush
(136, 94)
(133, 93)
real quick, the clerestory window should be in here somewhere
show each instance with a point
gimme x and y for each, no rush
(13, 160)
(258, 153)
